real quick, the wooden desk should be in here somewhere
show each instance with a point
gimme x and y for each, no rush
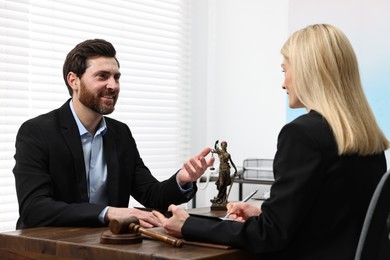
(84, 243)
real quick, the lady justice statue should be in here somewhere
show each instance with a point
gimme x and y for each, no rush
(224, 178)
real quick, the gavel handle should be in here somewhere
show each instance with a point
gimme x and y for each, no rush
(157, 235)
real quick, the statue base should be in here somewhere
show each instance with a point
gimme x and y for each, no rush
(218, 204)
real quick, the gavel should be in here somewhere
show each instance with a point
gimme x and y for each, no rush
(131, 224)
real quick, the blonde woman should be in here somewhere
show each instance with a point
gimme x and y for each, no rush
(327, 165)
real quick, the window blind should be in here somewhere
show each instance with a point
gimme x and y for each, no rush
(153, 47)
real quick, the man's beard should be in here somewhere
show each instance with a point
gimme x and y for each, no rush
(94, 102)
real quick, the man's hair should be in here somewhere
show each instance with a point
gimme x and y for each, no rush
(325, 75)
(77, 59)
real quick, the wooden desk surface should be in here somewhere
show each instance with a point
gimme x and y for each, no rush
(84, 243)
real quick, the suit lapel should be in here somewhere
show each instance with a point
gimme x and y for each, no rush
(72, 138)
(111, 155)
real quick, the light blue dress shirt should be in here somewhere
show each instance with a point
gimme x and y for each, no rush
(95, 163)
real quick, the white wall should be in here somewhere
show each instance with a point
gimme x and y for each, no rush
(237, 94)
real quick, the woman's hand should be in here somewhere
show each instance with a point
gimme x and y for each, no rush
(241, 211)
(173, 224)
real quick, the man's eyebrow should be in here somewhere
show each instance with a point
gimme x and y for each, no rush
(106, 72)
(101, 72)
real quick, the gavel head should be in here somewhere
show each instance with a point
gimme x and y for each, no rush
(120, 226)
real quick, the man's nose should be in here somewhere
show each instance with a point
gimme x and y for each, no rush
(113, 83)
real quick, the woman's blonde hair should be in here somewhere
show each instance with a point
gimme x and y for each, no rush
(325, 75)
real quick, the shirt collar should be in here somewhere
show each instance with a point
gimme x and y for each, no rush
(102, 126)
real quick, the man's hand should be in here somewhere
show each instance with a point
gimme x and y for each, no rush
(146, 219)
(173, 224)
(194, 168)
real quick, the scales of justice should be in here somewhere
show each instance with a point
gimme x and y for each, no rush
(224, 177)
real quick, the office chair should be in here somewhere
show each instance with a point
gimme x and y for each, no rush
(373, 243)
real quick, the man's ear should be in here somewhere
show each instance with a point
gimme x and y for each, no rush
(73, 81)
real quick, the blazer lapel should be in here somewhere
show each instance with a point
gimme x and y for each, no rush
(72, 138)
(111, 155)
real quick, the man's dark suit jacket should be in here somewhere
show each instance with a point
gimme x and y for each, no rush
(318, 200)
(51, 180)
